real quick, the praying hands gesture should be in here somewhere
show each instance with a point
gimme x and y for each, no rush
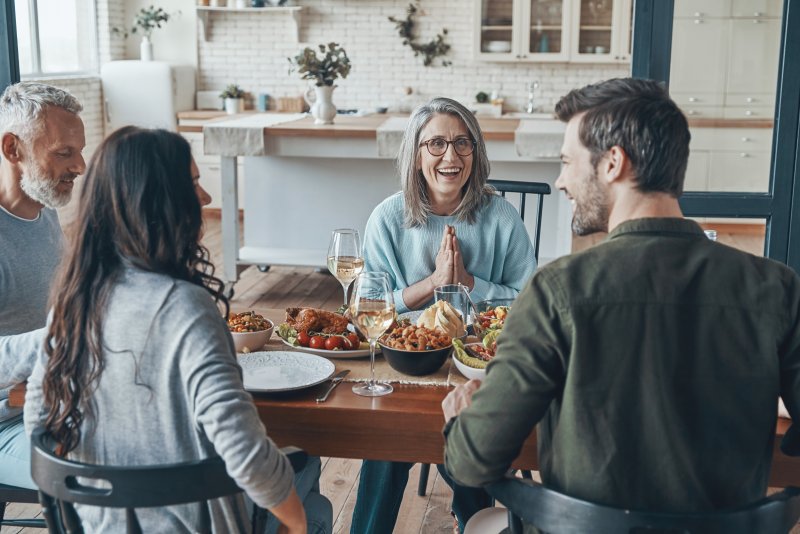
(449, 269)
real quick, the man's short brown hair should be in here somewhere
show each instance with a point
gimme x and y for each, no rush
(638, 116)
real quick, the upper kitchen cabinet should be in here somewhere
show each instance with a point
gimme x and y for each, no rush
(601, 31)
(589, 31)
(522, 30)
(724, 57)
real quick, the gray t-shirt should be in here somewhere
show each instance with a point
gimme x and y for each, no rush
(171, 391)
(30, 251)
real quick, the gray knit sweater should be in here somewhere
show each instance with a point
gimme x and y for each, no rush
(172, 391)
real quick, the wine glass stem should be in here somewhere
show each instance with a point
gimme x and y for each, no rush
(372, 344)
(345, 287)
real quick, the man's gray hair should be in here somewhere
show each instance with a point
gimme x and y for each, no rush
(23, 104)
(475, 192)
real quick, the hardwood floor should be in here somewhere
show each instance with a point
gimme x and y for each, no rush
(284, 286)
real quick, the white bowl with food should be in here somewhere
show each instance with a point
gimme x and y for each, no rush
(249, 330)
(471, 359)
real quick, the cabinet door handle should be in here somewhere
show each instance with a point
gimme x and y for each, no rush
(744, 155)
(698, 14)
(745, 139)
(691, 112)
(698, 21)
(692, 99)
(749, 99)
(748, 113)
(756, 21)
(757, 14)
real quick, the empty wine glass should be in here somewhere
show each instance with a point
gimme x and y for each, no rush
(344, 257)
(372, 311)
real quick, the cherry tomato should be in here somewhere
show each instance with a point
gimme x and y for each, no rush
(352, 339)
(334, 342)
(303, 339)
(317, 342)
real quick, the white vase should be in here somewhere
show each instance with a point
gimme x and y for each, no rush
(146, 49)
(234, 105)
(322, 108)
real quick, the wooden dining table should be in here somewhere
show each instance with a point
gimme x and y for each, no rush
(405, 425)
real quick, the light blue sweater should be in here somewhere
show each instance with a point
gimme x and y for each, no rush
(496, 248)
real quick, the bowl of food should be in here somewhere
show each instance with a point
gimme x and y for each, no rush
(250, 331)
(416, 350)
(490, 315)
(471, 359)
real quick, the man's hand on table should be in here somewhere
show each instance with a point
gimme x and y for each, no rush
(459, 398)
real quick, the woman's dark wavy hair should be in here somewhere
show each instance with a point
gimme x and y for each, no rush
(640, 117)
(138, 206)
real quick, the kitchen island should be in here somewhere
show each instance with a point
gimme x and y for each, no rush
(302, 181)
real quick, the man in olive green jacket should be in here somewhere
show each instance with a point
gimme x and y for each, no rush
(652, 362)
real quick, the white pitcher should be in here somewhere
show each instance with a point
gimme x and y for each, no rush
(322, 108)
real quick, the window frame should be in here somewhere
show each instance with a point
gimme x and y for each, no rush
(36, 53)
(780, 206)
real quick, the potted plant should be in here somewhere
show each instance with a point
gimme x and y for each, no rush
(323, 71)
(146, 21)
(233, 95)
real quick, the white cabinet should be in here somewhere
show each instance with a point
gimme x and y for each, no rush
(729, 159)
(725, 57)
(588, 31)
(209, 167)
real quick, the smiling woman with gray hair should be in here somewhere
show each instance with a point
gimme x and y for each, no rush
(445, 227)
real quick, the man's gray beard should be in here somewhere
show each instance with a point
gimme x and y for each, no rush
(42, 189)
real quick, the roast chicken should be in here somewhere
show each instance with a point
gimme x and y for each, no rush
(314, 320)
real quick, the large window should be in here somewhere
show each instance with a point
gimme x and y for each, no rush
(56, 37)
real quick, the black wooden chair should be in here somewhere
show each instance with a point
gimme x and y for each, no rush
(129, 487)
(14, 494)
(555, 513)
(540, 189)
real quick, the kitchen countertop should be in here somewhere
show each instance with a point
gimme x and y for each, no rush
(495, 129)
(350, 126)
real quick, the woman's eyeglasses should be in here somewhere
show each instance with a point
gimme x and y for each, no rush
(438, 146)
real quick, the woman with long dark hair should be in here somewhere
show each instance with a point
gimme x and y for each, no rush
(139, 367)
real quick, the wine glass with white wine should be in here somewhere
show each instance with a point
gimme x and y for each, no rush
(372, 311)
(344, 257)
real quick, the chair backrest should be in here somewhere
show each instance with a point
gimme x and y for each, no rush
(526, 188)
(554, 513)
(127, 487)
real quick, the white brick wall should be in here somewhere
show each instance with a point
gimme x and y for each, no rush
(110, 14)
(251, 50)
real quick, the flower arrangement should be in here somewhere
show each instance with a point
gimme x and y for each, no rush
(232, 91)
(333, 64)
(146, 21)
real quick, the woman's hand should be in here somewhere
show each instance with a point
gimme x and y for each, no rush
(460, 274)
(443, 274)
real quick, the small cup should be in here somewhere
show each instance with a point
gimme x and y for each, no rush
(599, 49)
(263, 102)
(588, 49)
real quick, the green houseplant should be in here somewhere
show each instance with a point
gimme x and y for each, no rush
(233, 95)
(146, 21)
(323, 71)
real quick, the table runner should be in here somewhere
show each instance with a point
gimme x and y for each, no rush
(539, 139)
(389, 135)
(243, 136)
(447, 375)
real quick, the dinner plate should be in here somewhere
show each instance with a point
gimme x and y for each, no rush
(278, 370)
(333, 354)
(411, 316)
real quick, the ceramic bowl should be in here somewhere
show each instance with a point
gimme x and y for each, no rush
(482, 306)
(415, 362)
(252, 341)
(498, 47)
(467, 371)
